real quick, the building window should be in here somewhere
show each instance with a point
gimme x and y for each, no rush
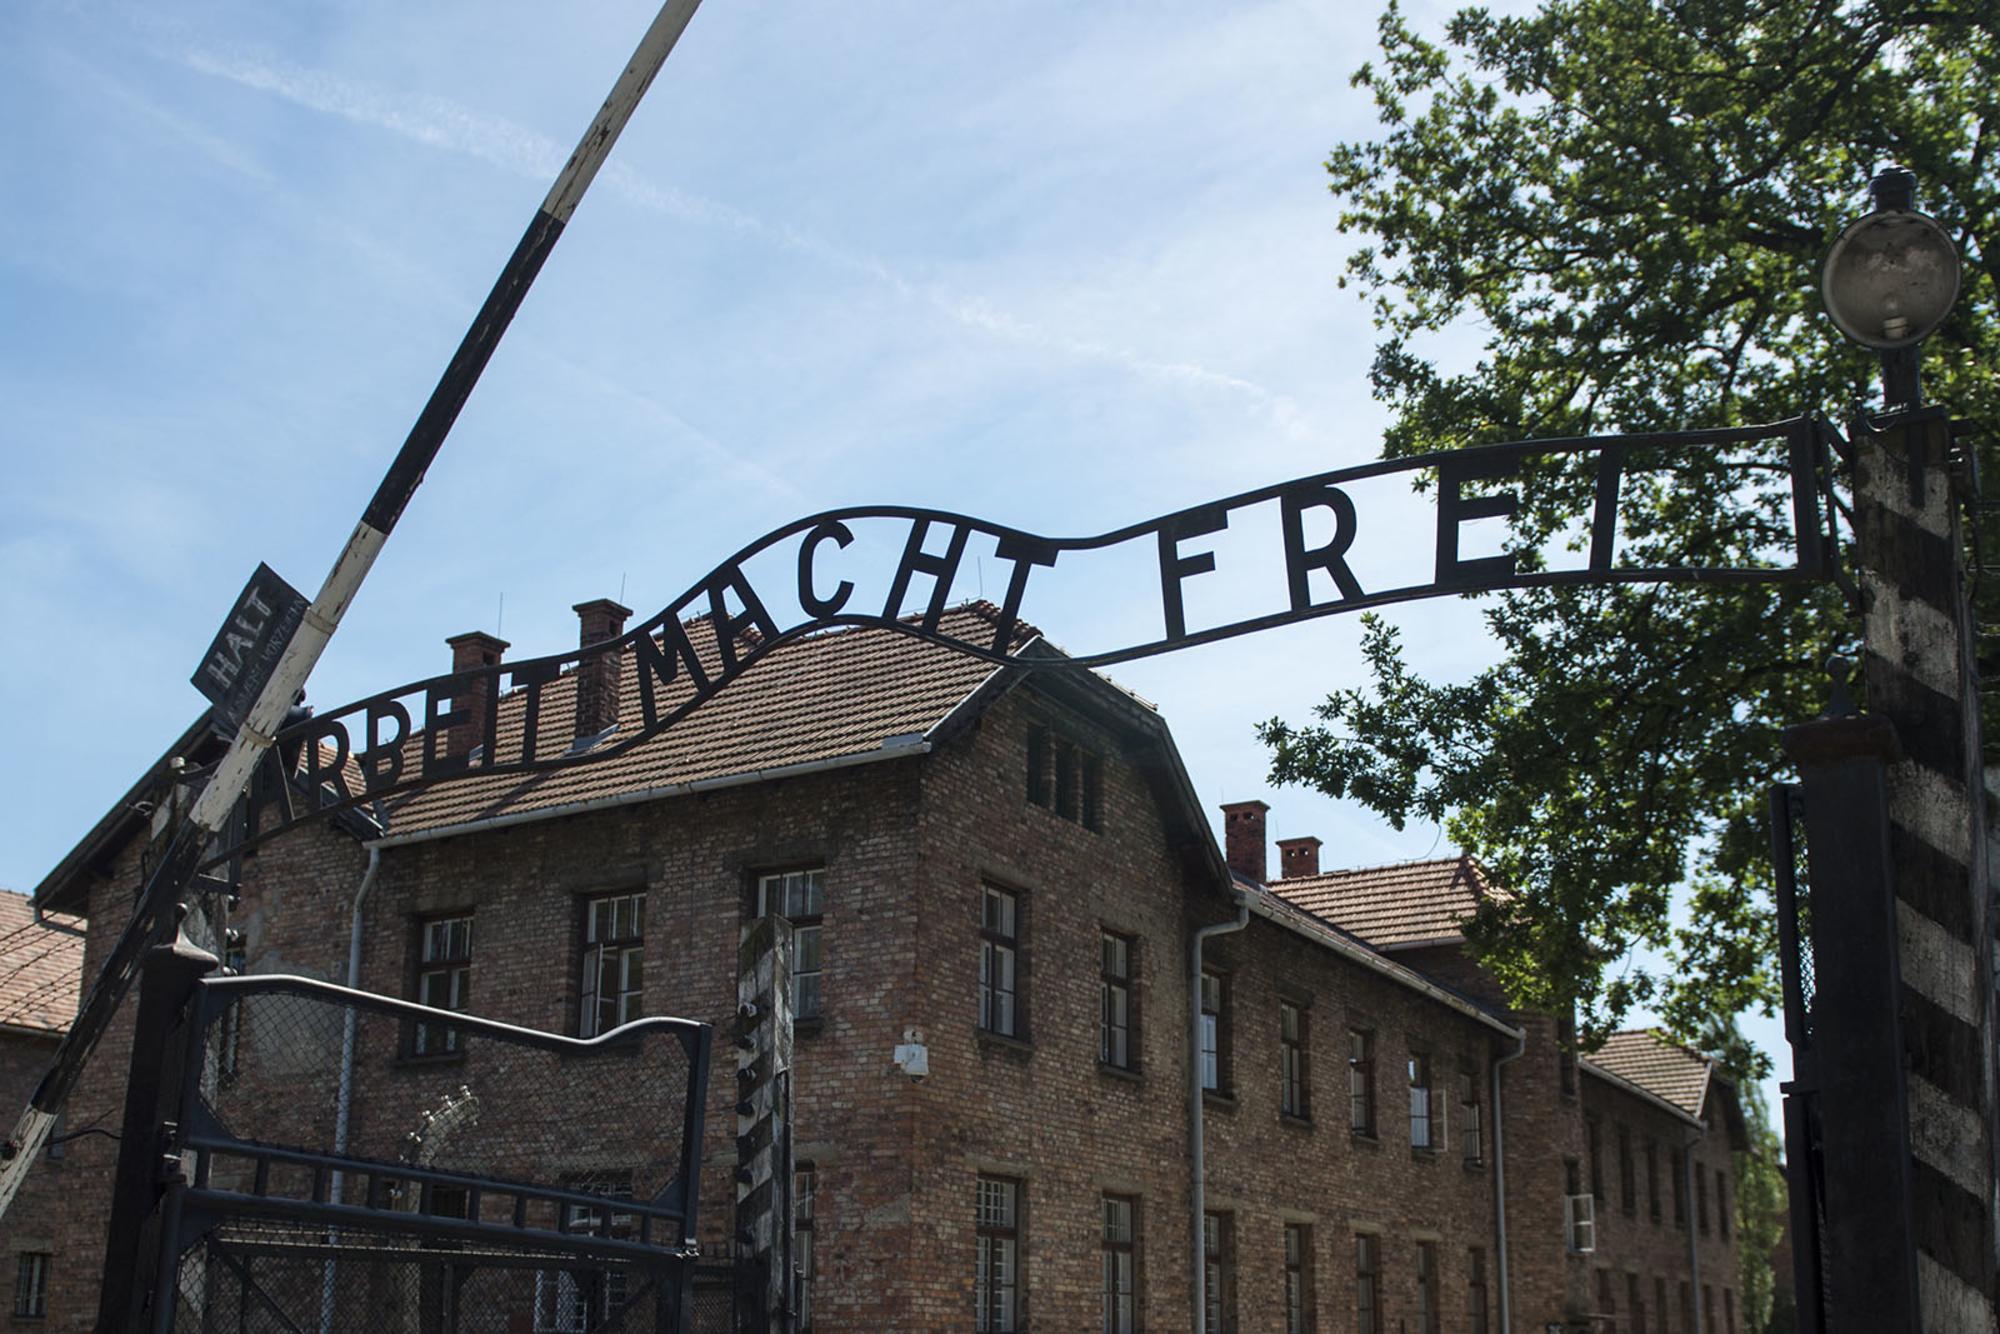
(1680, 1188)
(1038, 766)
(1628, 1187)
(571, 1302)
(1475, 1291)
(1708, 1309)
(1470, 1131)
(800, 898)
(1660, 1302)
(1607, 1304)
(31, 1285)
(1066, 767)
(805, 1204)
(1722, 1205)
(1218, 1250)
(999, 963)
(1594, 1140)
(1729, 1311)
(1093, 793)
(1298, 1278)
(1361, 1081)
(1636, 1302)
(1121, 1266)
(1214, 1032)
(444, 980)
(1367, 1280)
(1428, 1316)
(1579, 1211)
(1420, 1101)
(1687, 1309)
(996, 1283)
(1653, 1180)
(1292, 1060)
(614, 947)
(1701, 1198)
(1114, 1029)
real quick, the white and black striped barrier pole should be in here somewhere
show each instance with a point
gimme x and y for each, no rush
(159, 902)
(764, 1121)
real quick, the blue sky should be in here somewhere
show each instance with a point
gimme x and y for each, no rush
(1061, 266)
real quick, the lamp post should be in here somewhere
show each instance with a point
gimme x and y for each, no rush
(1889, 281)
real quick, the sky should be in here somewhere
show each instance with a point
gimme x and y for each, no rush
(1064, 267)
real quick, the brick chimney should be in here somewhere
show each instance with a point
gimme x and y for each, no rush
(473, 649)
(1297, 857)
(597, 676)
(1243, 838)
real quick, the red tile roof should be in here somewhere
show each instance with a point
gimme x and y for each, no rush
(835, 696)
(1657, 1064)
(1387, 906)
(40, 969)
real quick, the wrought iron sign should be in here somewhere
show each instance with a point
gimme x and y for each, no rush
(1304, 547)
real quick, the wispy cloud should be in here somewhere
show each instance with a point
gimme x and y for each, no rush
(451, 127)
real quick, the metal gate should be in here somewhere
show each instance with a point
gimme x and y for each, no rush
(319, 1159)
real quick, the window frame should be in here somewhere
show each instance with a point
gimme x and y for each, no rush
(1216, 1023)
(1367, 1283)
(1361, 1107)
(1678, 1170)
(808, 965)
(1119, 1259)
(1300, 1317)
(1471, 1129)
(986, 1295)
(1722, 1204)
(1218, 1257)
(1039, 793)
(1478, 1307)
(629, 1001)
(1116, 988)
(455, 969)
(31, 1284)
(1701, 1198)
(805, 1210)
(997, 945)
(1652, 1179)
(1628, 1176)
(1593, 1131)
(1430, 1307)
(1423, 1113)
(1294, 1060)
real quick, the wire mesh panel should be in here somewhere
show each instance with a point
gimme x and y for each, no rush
(356, 1162)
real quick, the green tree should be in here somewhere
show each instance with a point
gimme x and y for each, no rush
(1760, 1215)
(1628, 200)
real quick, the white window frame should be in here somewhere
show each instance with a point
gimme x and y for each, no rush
(799, 897)
(614, 945)
(1580, 1223)
(439, 962)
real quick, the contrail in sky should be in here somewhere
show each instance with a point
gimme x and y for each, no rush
(443, 124)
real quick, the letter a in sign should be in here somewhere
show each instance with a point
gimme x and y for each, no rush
(247, 648)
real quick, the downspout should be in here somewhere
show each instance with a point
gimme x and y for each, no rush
(344, 1099)
(1199, 1194)
(1500, 1183)
(1694, 1244)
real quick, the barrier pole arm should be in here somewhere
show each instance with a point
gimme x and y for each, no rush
(159, 906)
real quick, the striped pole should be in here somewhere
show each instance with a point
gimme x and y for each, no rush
(764, 1120)
(1920, 675)
(155, 916)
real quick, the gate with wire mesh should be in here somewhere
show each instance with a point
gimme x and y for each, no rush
(336, 1161)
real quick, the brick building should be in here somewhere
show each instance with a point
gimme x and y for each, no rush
(41, 965)
(1009, 868)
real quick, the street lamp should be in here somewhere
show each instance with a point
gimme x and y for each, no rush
(1890, 279)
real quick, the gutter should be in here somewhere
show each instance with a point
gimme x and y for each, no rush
(906, 744)
(1198, 1195)
(1265, 905)
(1500, 1184)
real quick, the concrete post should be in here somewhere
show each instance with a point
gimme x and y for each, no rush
(1919, 670)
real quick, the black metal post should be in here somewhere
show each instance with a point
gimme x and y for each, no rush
(1869, 1255)
(168, 981)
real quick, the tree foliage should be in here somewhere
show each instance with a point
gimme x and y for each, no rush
(1627, 201)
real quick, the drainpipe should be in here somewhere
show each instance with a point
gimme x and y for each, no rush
(1694, 1243)
(1500, 1183)
(1200, 1194)
(344, 1100)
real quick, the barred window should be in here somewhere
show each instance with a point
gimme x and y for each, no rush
(444, 980)
(614, 949)
(996, 1283)
(800, 898)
